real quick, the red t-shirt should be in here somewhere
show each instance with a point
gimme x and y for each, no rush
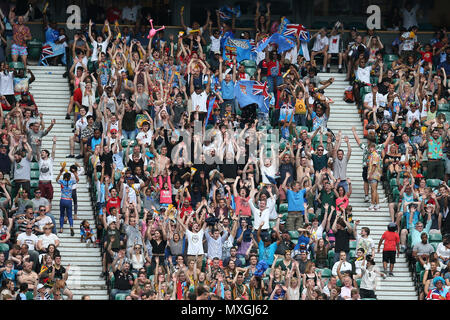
(274, 68)
(426, 56)
(112, 202)
(183, 209)
(113, 14)
(5, 107)
(243, 206)
(390, 240)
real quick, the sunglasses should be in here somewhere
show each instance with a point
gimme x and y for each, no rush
(42, 210)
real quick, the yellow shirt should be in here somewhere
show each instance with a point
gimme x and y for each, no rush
(300, 106)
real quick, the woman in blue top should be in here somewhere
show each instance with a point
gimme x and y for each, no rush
(65, 204)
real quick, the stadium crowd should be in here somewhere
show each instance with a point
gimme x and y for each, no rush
(195, 202)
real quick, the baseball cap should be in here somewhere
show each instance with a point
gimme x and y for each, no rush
(113, 130)
(110, 219)
(40, 286)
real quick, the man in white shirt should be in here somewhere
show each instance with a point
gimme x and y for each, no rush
(262, 213)
(199, 97)
(409, 14)
(46, 172)
(334, 48)
(362, 76)
(409, 40)
(413, 113)
(99, 45)
(130, 12)
(31, 241)
(346, 266)
(81, 123)
(215, 243)
(47, 239)
(195, 242)
(373, 99)
(363, 240)
(144, 137)
(321, 46)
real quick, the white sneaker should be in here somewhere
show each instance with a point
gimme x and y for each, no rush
(371, 208)
(366, 198)
(376, 207)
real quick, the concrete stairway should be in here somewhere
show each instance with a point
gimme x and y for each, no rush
(343, 116)
(51, 92)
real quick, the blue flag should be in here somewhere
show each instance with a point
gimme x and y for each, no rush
(240, 49)
(283, 24)
(284, 43)
(249, 92)
(227, 12)
(210, 107)
(224, 39)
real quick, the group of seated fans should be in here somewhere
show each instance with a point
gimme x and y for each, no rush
(192, 204)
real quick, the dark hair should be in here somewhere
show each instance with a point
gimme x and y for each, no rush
(366, 229)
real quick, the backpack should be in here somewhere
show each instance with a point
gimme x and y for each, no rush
(348, 95)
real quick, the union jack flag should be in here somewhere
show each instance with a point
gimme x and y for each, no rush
(260, 88)
(47, 51)
(253, 44)
(297, 29)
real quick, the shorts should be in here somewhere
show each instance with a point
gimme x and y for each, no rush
(364, 174)
(373, 181)
(389, 256)
(77, 95)
(17, 50)
(46, 190)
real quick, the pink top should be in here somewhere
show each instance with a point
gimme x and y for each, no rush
(243, 206)
(165, 196)
(342, 203)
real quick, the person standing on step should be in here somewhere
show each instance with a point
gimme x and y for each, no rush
(343, 231)
(369, 276)
(340, 162)
(66, 198)
(435, 147)
(21, 34)
(363, 240)
(296, 210)
(374, 176)
(46, 173)
(379, 148)
(391, 246)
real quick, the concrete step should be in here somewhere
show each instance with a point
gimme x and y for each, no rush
(343, 117)
(393, 297)
(80, 260)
